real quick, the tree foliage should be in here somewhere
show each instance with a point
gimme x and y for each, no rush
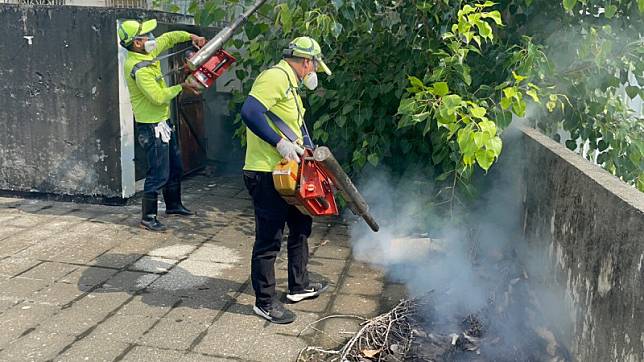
(434, 83)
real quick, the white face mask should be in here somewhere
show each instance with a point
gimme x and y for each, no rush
(150, 45)
(310, 81)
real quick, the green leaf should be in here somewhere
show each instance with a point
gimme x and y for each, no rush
(445, 116)
(640, 5)
(517, 77)
(465, 140)
(610, 11)
(428, 127)
(477, 39)
(495, 145)
(452, 102)
(347, 109)
(571, 144)
(443, 176)
(321, 121)
(518, 107)
(415, 82)
(252, 31)
(632, 91)
(407, 106)
(341, 121)
(506, 103)
(484, 29)
(478, 112)
(485, 158)
(503, 118)
(569, 4)
(467, 78)
(373, 159)
(285, 18)
(417, 118)
(481, 139)
(488, 127)
(551, 106)
(439, 155)
(467, 9)
(440, 89)
(533, 94)
(510, 92)
(487, 4)
(494, 15)
(337, 29)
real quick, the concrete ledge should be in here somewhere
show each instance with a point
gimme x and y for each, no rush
(603, 178)
(586, 228)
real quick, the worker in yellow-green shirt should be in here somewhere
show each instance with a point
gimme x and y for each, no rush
(150, 98)
(274, 117)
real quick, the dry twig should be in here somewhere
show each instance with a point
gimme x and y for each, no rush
(388, 335)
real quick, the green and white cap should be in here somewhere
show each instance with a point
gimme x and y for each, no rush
(130, 29)
(306, 47)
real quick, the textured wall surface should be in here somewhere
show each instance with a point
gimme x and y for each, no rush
(590, 226)
(59, 108)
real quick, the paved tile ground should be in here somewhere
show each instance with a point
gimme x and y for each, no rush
(83, 282)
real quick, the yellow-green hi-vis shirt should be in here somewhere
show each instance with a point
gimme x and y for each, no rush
(150, 97)
(274, 90)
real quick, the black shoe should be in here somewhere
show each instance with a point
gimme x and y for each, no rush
(153, 224)
(149, 213)
(312, 291)
(172, 198)
(275, 313)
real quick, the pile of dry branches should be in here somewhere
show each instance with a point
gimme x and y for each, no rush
(386, 337)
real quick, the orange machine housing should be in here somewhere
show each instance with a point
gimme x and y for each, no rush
(312, 191)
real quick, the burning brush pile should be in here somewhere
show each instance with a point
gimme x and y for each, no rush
(441, 326)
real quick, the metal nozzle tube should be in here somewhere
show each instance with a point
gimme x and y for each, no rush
(343, 183)
(223, 36)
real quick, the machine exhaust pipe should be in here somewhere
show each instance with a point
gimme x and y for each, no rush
(215, 44)
(342, 182)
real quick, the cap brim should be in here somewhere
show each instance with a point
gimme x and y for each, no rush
(322, 67)
(148, 26)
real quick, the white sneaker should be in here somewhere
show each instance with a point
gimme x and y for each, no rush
(312, 291)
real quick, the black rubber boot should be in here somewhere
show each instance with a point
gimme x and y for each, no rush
(149, 213)
(173, 205)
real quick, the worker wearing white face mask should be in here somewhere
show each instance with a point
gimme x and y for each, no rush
(274, 116)
(150, 97)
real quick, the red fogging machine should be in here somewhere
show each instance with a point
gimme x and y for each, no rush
(211, 61)
(311, 185)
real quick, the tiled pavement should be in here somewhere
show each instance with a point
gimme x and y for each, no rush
(83, 282)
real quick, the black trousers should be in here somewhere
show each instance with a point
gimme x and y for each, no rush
(271, 214)
(165, 166)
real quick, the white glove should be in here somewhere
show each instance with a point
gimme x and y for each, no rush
(163, 130)
(289, 150)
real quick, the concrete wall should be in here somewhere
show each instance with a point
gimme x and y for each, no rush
(590, 227)
(60, 109)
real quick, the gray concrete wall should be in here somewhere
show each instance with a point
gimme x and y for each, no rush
(589, 226)
(60, 99)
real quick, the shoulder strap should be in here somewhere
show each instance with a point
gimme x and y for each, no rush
(147, 63)
(282, 126)
(140, 65)
(279, 123)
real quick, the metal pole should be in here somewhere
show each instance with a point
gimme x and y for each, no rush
(223, 36)
(343, 183)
